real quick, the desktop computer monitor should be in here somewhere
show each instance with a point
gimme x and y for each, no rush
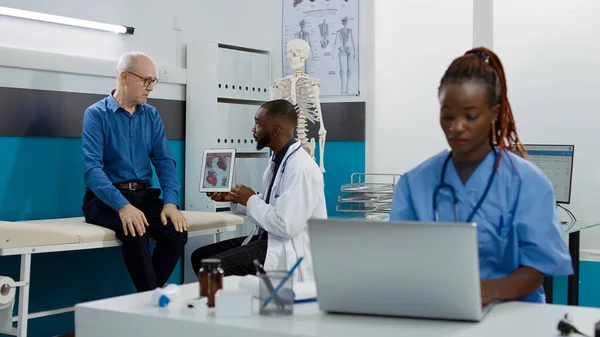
(556, 161)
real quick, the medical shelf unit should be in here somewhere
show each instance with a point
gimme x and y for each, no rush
(368, 195)
(226, 84)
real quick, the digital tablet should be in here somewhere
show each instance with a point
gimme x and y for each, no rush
(217, 170)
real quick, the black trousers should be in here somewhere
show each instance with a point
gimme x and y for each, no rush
(147, 270)
(235, 258)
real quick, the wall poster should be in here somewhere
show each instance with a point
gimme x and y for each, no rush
(331, 29)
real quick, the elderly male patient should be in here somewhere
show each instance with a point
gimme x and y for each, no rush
(123, 137)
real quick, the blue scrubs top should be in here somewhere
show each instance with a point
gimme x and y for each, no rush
(517, 223)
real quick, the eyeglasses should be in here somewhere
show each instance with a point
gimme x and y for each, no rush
(146, 81)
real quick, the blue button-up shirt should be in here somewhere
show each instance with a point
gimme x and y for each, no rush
(120, 147)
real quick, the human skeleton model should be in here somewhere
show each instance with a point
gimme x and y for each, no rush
(303, 92)
(324, 30)
(344, 35)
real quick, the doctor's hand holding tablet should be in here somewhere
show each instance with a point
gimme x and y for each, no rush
(239, 194)
(485, 179)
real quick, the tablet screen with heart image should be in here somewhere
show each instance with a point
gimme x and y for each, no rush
(217, 170)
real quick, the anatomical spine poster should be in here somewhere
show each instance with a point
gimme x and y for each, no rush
(331, 29)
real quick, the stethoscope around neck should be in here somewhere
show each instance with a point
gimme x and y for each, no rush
(443, 185)
(284, 165)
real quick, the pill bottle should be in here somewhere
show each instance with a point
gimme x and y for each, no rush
(206, 266)
(215, 282)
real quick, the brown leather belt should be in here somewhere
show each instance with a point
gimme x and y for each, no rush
(132, 186)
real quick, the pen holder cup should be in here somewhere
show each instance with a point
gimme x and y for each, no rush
(276, 294)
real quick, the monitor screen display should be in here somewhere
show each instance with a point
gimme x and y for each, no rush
(556, 161)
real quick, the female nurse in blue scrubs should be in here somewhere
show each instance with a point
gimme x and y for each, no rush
(485, 179)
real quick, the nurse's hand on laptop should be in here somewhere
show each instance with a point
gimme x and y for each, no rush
(518, 284)
(488, 293)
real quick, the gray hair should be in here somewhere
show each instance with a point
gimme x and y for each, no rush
(129, 61)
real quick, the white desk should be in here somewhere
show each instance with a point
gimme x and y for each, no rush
(132, 315)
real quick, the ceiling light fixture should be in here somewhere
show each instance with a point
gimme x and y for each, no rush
(18, 13)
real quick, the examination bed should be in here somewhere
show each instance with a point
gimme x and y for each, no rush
(69, 234)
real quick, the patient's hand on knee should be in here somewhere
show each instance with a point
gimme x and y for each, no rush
(171, 211)
(133, 220)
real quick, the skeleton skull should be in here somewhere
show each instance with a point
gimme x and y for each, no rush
(298, 51)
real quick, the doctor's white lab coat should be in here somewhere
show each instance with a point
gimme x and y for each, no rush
(297, 195)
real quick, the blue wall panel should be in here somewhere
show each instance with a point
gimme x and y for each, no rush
(42, 178)
(341, 160)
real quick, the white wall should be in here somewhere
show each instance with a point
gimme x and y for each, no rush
(551, 58)
(253, 23)
(152, 20)
(414, 43)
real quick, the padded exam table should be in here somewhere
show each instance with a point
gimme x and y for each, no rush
(25, 238)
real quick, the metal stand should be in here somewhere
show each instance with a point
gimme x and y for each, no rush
(549, 289)
(574, 246)
(573, 292)
(371, 200)
(573, 280)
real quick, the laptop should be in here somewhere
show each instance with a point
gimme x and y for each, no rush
(406, 269)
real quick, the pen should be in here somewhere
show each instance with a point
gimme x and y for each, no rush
(268, 284)
(289, 273)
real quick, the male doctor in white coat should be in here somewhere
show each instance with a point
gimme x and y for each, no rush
(292, 192)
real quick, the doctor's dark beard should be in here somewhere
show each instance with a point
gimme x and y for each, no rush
(261, 143)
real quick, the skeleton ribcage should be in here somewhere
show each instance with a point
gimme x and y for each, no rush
(303, 93)
(304, 102)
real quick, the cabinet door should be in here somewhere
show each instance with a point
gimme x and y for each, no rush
(227, 72)
(244, 85)
(260, 76)
(246, 126)
(223, 122)
(234, 125)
